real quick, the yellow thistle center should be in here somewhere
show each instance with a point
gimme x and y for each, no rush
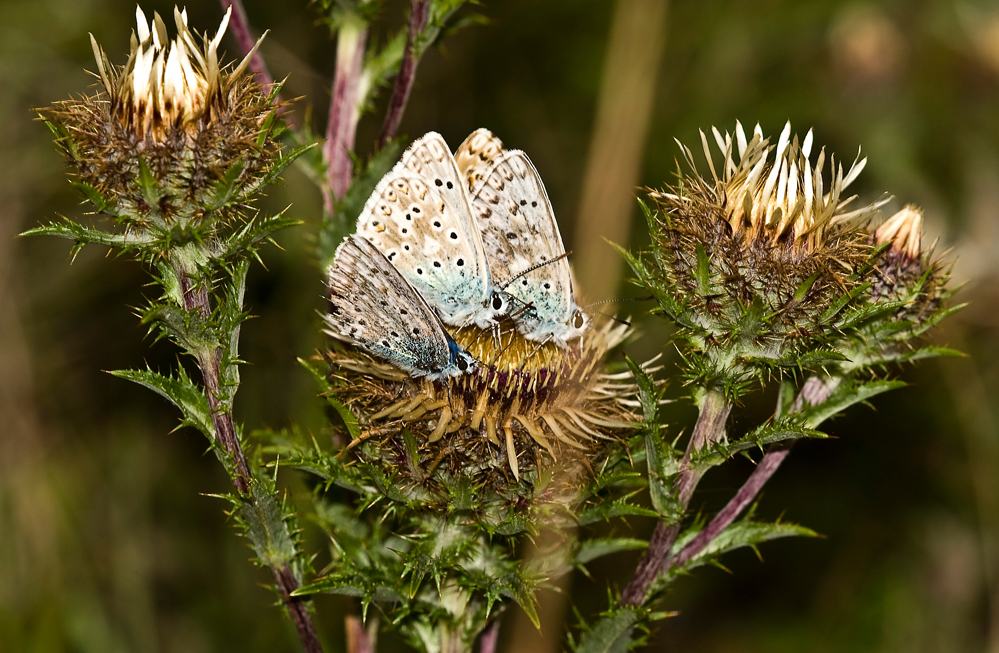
(522, 396)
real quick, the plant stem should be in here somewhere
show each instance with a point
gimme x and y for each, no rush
(298, 609)
(419, 13)
(815, 390)
(341, 128)
(240, 27)
(710, 427)
(196, 299)
(490, 636)
(359, 640)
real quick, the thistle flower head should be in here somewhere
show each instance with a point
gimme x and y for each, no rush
(783, 197)
(526, 409)
(172, 122)
(165, 84)
(751, 255)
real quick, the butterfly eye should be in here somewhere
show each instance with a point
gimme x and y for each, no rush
(497, 302)
(462, 363)
(578, 320)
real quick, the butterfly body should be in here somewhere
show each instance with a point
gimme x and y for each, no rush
(373, 306)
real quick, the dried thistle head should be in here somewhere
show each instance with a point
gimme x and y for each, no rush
(169, 128)
(528, 416)
(908, 274)
(751, 257)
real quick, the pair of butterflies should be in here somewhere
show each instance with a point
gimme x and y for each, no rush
(454, 240)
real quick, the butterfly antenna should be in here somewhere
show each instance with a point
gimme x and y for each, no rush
(615, 318)
(622, 299)
(536, 350)
(535, 267)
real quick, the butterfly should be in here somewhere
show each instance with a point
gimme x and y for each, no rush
(420, 218)
(373, 306)
(523, 246)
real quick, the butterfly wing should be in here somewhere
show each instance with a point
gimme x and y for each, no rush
(419, 217)
(524, 248)
(475, 156)
(372, 305)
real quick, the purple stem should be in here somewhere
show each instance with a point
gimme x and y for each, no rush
(487, 644)
(709, 428)
(764, 470)
(196, 299)
(815, 391)
(341, 129)
(239, 26)
(419, 14)
(357, 637)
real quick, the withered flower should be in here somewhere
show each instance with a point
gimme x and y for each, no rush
(525, 407)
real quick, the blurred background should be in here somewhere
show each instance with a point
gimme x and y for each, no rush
(108, 541)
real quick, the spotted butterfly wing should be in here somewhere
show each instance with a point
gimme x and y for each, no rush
(419, 217)
(524, 249)
(475, 156)
(373, 306)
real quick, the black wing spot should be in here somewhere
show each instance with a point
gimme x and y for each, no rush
(449, 185)
(403, 311)
(523, 202)
(548, 286)
(511, 236)
(409, 217)
(419, 270)
(406, 247)
(394, 334)
(385, 343)
(437, 223)
(362, 323)
(437, 264)
(460, 262)
(353, 330)
(524, 282)
(405, 230)
(534, 204)
(416, 209)
(454, 235)
(391, 255)
(416, 331)
(440, 183)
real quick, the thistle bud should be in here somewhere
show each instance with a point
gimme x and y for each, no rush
(172, 139)
(906, 273)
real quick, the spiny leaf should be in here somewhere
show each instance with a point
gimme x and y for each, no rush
(71, 230)
(595, 548)
(612, 633)
(180, 391)
(843, 397)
